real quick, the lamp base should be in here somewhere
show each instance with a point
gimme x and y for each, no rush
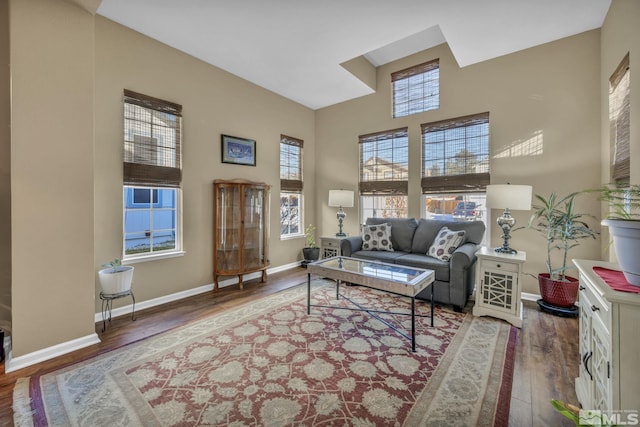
(341, 235)
(504, 250)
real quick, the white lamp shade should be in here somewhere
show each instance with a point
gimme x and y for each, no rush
(342, 198)
(507, 196)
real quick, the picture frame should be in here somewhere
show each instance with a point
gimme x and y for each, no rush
(238, 151)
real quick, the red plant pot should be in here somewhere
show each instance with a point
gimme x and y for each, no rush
(556, 292)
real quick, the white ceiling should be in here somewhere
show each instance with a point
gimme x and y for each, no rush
(295, 47)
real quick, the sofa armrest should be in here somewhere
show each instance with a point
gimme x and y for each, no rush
(350, 245)
(462, 273)
(463, 257)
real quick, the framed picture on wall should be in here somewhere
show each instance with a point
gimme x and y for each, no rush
(238, 151)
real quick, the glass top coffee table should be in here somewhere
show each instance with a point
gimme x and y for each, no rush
(392, 278)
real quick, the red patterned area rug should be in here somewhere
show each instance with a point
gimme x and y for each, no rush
(268, 363)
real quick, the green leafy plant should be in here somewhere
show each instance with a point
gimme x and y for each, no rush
(113, 265)
(563, 228)
(568, 410)
(309, 234)
(623, 200)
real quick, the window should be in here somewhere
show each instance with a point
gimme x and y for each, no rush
(290, 186)
(384, 174)
(455, 168)
(416, 89)
(152, 176)
(619, 120)
(150, 227)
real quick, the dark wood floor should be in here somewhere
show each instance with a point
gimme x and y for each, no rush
(545, 364)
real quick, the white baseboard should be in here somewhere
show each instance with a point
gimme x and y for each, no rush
(13, 364)
(126, 310)
(529, 297)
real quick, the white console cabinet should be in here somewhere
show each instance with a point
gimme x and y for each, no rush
(609, 375)
(498, 284)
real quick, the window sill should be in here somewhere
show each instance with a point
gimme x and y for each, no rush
(291, 236)
(153, 257)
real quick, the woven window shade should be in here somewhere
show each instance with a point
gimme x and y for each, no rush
(291, 164)
(152, 141)
(619, 121)
(415, 70)
(384, 163)
(455, 155)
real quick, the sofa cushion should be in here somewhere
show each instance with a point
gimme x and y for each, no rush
(377, 237)
(429, 228)
(441, 268)
(381, 256)
(474, 230)
(425, 234)
(402, 231)
(445, 243)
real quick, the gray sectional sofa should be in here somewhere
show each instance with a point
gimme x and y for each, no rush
(411, 239)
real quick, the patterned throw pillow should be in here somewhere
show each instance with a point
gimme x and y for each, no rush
(445, 243)
(377, 238)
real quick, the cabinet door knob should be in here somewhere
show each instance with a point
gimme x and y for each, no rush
(499, 266)
(594, 308)
(582, 288)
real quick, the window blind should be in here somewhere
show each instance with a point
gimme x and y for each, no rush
(290, 163)
(384, 162)
(619, 121)
(152, 141)
(455, 155)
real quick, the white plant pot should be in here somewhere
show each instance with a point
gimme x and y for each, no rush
(626, 242)
(116, 282)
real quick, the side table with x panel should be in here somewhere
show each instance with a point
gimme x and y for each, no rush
(498, 285)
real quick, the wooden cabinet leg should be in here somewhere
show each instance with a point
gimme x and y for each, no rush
(264, 276)
(215, 282)
(240, 281)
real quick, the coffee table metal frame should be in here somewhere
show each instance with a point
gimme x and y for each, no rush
(392, 278)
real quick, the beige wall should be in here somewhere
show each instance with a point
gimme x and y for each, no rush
(67, 192)
(621, 35)
(214, 102)
(51, 57)
(544, 106)
(5, 172)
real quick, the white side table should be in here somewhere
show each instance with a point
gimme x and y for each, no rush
(330, 246)
(498, 285)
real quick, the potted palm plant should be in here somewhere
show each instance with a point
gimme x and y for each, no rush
(311, 252)
(563, 229)
(623, 221)
(115, 278)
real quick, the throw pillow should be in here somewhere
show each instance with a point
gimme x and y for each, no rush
(377, 238)
(445, 243)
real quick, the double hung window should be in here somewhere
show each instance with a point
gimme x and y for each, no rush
(384, 174)
(455, 168)
(290, 186)
(416, 89)
(152, 176)
(619, 121)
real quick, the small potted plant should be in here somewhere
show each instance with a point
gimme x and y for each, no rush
(311, 252)
(623, 221)
(115, 278)
(563, 229)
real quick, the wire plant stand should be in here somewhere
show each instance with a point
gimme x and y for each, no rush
(107, 305)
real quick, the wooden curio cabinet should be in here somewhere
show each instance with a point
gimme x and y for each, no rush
(241, 229)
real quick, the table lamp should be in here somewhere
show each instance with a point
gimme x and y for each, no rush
(341, 199)
(508, 197)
